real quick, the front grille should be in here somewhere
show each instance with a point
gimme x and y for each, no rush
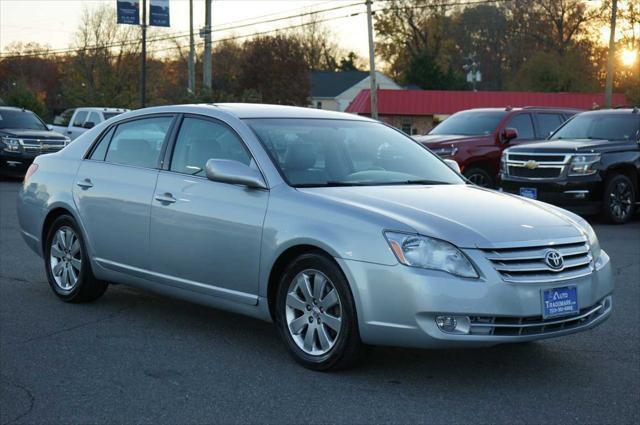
(535, 166)
(540, 173)
(528, 265)
(42, 146)
(535, 325)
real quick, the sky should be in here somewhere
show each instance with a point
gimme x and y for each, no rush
(53, 22)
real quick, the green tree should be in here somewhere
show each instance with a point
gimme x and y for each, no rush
(275, 68)
(22, 97)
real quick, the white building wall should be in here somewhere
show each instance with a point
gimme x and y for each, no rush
(383, 82)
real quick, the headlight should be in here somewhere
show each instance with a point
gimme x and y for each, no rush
(582, 165)
(10, 144)
(446, 151)
(429, 253)
(593, 240)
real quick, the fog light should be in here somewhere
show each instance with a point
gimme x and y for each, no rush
(447, 323)
(454, 324)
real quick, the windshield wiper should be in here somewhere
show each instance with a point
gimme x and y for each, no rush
(417, 181)
(331, 184)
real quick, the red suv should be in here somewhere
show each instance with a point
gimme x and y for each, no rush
(476, 138)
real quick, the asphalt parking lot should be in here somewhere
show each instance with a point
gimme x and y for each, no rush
(135, 357)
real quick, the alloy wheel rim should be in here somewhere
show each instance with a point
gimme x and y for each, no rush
(621, 200)
(478, 179)
(65, 258)
(313, 312)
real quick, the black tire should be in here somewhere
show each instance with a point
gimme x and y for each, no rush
(619, 199)
(479, 176)
(347, 348)
(87, 288)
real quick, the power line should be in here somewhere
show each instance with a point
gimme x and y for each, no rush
(176, 36)
(179, 35)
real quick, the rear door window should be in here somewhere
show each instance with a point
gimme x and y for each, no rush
(547, 123)
(139, 142)
(94, 118)
(523, 124)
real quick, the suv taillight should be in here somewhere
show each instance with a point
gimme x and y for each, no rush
(30, 171)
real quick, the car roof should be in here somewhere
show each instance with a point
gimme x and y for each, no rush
(14, 108)
(101, 109)
(259, 110)
(525, 108)
(617, 111)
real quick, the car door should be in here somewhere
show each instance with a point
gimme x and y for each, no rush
(205, 236)
(114, 187)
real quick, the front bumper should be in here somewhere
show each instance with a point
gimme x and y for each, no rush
(398, 305)
(15, 163)
(582, 195)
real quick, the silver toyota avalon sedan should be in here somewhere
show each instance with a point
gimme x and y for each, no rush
(340, 229)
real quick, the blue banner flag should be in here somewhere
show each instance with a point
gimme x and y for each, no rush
(129, 12)
(159, 13)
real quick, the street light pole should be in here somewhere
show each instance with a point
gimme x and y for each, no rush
(206, 68)
(192, 69)
(608, 91)
(143, 58)
(372, 64)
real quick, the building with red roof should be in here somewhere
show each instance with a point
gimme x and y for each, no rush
(417, 111)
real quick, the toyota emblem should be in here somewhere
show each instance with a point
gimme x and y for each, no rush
(554, 259)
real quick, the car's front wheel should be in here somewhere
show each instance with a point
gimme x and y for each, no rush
(315, 314)
(479, 177)
(67, 263)
(619, 199)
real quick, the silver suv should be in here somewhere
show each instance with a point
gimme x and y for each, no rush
(340, 229)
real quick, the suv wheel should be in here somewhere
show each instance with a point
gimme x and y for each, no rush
(619, 199)
(67, 263)
(315, 314)
(479, 177)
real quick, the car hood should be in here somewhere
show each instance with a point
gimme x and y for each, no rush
(465, 215)
(445, 139)
(31, 134)
(575, 145)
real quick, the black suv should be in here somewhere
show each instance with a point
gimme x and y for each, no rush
(23, 136)
(591, 164)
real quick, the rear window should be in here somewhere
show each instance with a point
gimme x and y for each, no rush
(139, 142)
(470, 123)
(108, 115)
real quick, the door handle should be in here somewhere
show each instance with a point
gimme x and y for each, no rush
(85, 184)
(165, 198)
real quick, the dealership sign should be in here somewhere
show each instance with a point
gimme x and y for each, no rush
(129, 12)
(159, 13)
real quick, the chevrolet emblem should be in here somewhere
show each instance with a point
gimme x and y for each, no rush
(531, 164)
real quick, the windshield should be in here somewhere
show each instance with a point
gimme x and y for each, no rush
(600, 126)
(20, 120)
(470, 123)
(108, 115)
(319, 152)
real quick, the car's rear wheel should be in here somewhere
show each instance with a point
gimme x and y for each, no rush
(315, 314)
(479, 177)
(67, 263)
(619, 199)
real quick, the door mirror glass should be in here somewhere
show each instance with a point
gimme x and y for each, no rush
(233, 172)
(453, 165)
(508, 134)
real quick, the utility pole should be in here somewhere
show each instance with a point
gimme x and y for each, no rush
(192, 68)
(143, 58)
(372, 64)
(206, 74)
(608, 91)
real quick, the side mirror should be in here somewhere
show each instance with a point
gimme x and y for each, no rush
(453, 165)
(234, 172)
(508, 134)
(89, 124)
(49, 127)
